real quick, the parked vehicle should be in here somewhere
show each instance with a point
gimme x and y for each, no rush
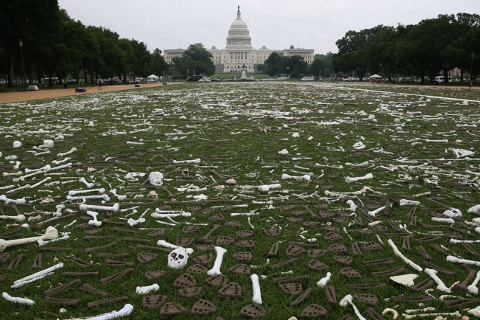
(441, 79)
(308, 78)
(194, 78)
(407, 80)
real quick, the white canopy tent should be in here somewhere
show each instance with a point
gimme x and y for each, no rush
(152, 78)
(375, 76)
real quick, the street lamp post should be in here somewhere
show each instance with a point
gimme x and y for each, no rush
(20, 44)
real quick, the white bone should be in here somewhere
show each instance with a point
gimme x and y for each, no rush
(104, 197)
(133, 222)
(323, 282)
(406, 202)
(352, 205)
(156, 178)
(430, 315)
(464, 261)
(85, 207)
(348, 300)
(407, 261)
(355, 179)
(246, 214)
(268, 187)
(475, 312)
(147, 289)
(257, 294)
(59, 207)
(392, 311)
(373, 213)
(305, 177)
(452, 213)
(36, 276)
(475, 209)
(440, 285)
(67, 153)
(18, 218)
(75, 192)
(446, 220)
(10, 174)
(42, 242)
(187, 161)
(473, 287)
(124, 312)
(50, 233)
(163, 243)
(405, 279)
(61, 161)
(82, 180)
(218, 261)
(26, 186)
(18, 300)
(120, 197)
(94, 222)
(15, 201)
(169, 214)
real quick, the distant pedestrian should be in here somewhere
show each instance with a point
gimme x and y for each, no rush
(470, 84)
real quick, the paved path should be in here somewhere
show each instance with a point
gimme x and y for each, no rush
(54, 93)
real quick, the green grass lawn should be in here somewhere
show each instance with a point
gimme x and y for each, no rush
(237, 131)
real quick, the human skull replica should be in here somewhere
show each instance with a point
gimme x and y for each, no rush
(178, 258)
(156, 178)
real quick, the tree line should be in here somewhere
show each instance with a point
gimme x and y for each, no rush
(39, 40)
(424, 50)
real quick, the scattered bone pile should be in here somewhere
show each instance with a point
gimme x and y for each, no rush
(265, 200)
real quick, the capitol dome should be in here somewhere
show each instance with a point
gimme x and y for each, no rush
(239, 35)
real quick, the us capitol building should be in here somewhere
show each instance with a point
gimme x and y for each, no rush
(239, 55)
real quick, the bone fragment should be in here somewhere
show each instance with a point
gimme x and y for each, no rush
(76, 192)
(405, 202)
(305, 177)
(124, 312)
(323, 282)
(85, 182)
(440, 285)
(187, 161)
(348, 300)
(257, 294)
(355, 179)
(59, 207)
(103, 197)
(18, 300)
(15, 201)
(147, 289)
(405, 259)
(94, 222)
(268, 187)
(464, 261)
(36, 276)
(163, 243)
(169, 214)
(59, 155)
(405, 279)
(85, 207)
(392, 311)
(473, 287)
(18, 218)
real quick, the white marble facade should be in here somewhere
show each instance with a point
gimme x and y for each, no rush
(239, 55)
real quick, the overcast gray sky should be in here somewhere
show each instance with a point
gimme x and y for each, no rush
(277, 24)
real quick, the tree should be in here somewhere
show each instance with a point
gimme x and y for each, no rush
(31, 21)
(196, 60)
(273, 64)
(157, 63)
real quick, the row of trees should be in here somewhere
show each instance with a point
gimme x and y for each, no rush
(424, 50)
(296, 67)
(39, 40)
